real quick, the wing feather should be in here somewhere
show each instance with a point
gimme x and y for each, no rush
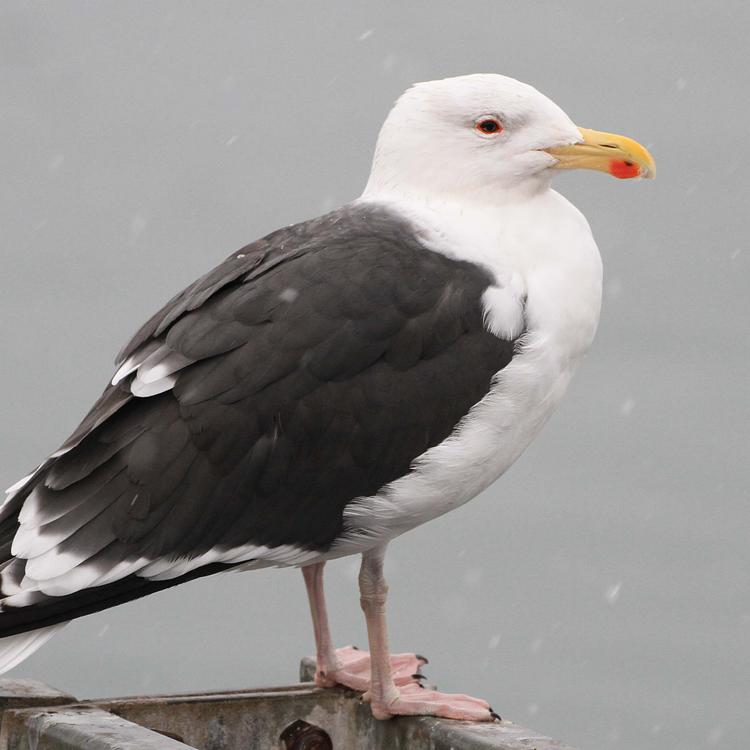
(309, 369)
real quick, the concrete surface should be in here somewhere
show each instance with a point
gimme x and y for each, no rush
(37, 717)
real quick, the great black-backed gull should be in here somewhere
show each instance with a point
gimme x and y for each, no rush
(333, 384)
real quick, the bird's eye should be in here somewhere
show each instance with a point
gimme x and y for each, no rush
(489, 126)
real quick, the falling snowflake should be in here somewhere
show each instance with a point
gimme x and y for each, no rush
(612, 593)
(714, 736)
(137, 225)
(627, 406)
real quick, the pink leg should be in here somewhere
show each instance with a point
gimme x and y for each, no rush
(326, 662)
(386, 698)
(347, 666)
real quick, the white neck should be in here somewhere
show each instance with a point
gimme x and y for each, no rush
(541, 244)
(387, 184)
(492, 229)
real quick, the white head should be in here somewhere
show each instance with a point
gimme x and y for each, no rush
(483, 135)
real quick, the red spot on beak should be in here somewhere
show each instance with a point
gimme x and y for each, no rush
(624, 170)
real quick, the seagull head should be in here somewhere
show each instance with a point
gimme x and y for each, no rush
(488, 136)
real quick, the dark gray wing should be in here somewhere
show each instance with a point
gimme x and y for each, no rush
(309, 369)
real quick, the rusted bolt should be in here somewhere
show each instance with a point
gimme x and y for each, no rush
(300, 735)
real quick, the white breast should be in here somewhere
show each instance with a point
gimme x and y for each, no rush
(549, 283)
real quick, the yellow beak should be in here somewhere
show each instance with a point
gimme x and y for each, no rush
(615, 154)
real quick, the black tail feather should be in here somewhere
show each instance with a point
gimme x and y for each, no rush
(53, 610)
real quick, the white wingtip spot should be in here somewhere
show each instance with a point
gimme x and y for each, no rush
(128, 366)
(15, 648)
(135, 360)
(18, 485)
(170, 363)
(143, 390)
(55, 563)
(120, 570)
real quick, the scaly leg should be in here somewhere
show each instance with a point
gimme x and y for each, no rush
(386, 698)
(325, 657)
(347, 666)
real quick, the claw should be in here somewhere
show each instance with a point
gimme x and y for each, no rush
(351, 668)
(422, 658)
(495, 715)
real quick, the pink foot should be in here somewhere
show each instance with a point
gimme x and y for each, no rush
(414, 700)
(353, 669)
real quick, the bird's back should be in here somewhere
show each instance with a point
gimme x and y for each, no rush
(309, 369)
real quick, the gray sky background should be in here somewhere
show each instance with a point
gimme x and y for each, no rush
(599, 591)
